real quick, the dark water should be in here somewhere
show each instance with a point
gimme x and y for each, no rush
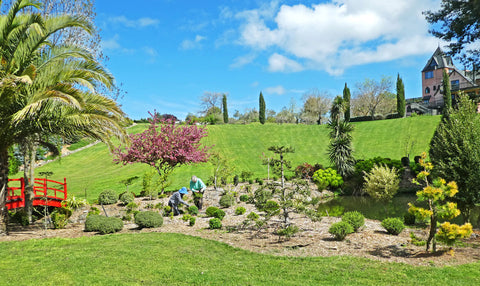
(376, 210)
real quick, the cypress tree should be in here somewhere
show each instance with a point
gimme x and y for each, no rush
(261, 109)
(346, 102)
(447, 93)
(400, 97)
(225, 110)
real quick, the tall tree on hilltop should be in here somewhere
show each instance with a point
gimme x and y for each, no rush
(316, 105)
(225, 110)
(400, 97)
(447, 93)
(261, 109)
(346, 102)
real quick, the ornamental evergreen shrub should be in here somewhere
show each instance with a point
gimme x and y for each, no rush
(271, 207)
(288, 231)
(210, 211)
(60, 217)
(227, 201)
(103, 224)
(192, 221)
(261, 196)
(148, 219)
(393, 225)
(108, 197)
(326, 179)
(193, 210)
(127, 197)
(215, 223)
(340, 230)
(243, 198)
(355, 219)
(220, 214)
(253, 216)
(409, 219)
(240, 210)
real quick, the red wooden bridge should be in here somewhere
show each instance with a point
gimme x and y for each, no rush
(47, 192)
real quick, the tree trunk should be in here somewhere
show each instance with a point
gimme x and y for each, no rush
(281, 165)
(3, 191)
(433, 230)
(29, 155)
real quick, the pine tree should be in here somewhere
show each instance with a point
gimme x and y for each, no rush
(225, 110)
(447, 93)
(400, 97)
(346, 102)
(261, 112)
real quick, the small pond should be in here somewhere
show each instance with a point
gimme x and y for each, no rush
(376, 210)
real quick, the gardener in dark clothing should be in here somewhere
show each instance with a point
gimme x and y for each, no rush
(176, 199)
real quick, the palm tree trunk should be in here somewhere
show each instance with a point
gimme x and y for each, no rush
(3, 191)
(29, 153)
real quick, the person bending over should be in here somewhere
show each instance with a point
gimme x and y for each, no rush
(177, 199)
(197, 186)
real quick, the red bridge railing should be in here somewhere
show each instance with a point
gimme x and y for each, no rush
(46, 192)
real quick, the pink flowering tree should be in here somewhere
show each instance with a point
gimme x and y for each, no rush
(165, 146)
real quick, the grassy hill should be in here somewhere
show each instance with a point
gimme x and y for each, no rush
(90, 171)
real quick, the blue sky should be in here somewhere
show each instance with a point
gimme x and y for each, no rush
(168, 53)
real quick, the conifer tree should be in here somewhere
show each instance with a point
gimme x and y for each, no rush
(261, 109)
(400, 97)
(225, 110)
(447, 93)
(346, 102)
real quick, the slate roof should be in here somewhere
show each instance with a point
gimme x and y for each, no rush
(439, 60)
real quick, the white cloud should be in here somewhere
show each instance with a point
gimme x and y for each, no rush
(134, 23)
(336, 35)
(279, 63)
(275, 90)
(192, 44)
(113, 44)
(243, 60)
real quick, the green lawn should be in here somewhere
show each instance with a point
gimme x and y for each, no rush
(175, 259)
(92, 170)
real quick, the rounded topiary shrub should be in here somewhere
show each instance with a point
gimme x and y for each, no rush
(192, 221)
(108, 197)
(103, 224)
(210, 211)
(244, 198)
(240, 210)
(193, 210)
(215, 223)
(409, 219)
(340, 230)
(355, 219)
(253, 216)
(270, 206)
(220, 214)
(148, 219)
(127, 197)
(393, 225)
(227, 201)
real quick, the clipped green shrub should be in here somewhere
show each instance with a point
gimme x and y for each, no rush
(261, 196)
(107, 197)
(355, 219)
(60, 217)
(220, 214)
(236, 180)
(271, 207)
(215, 223)
(340, 230)
(127, 197)
(253, 216)
(103, 224)
(327, 179)
(93, 211)
(240, 210)
(193, 210)
(186, 217)
(210, 211)
(288, 231)
(366, 165)
(167, 210)
(393, 225)
(244, 198)
(148, 219)
(192, 221)
(227, 201)
(20, 217)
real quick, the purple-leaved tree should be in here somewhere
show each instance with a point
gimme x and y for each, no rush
(165, 145)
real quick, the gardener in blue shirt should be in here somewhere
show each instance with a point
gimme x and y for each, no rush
(197, 187)
(176, 199)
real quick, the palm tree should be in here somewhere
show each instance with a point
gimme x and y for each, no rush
(47, 90)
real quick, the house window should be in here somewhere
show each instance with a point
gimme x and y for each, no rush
(428, 74)
(455, 84)
(434, 87)
(427, 90)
